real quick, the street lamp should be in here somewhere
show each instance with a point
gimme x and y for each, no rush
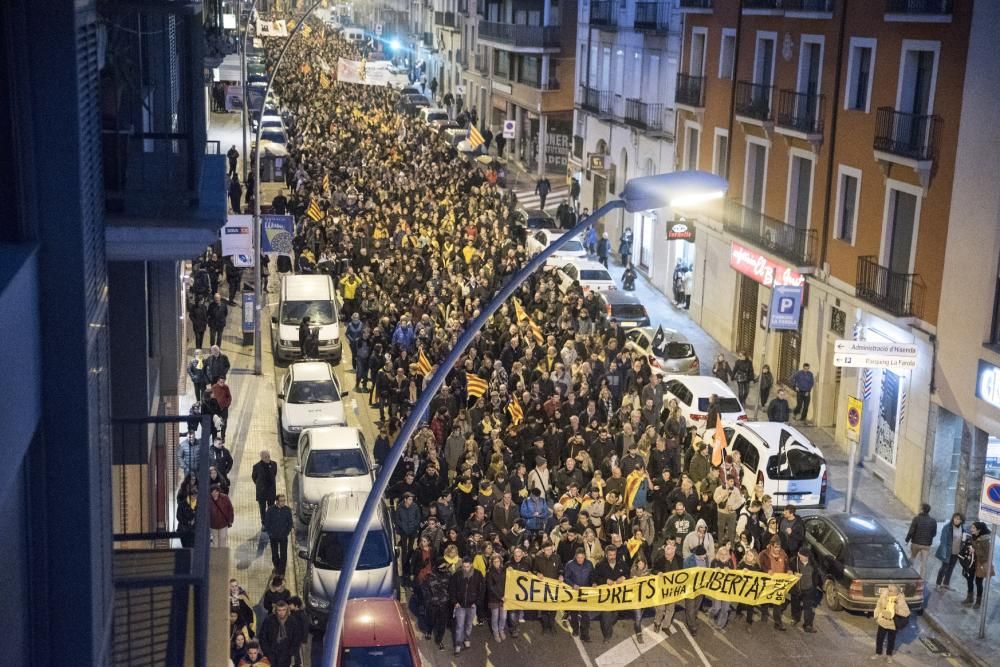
(681, 188)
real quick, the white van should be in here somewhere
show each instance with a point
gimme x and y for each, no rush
(792, 469)
(353, 34)
(311, 296)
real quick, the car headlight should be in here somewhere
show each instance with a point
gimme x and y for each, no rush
(310, 507)
(287, 342)
(318, 603)
(294, 429)
(328, 342)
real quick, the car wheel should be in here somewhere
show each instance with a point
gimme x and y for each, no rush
(830, 595)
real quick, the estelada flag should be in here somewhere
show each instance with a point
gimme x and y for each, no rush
(516, 412)
(423, 364)
(718, 442)
(475, 138)
(634, 483)
(476, 386)
(313, 210)
(536, 331)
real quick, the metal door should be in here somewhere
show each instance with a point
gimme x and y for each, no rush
(746, 323)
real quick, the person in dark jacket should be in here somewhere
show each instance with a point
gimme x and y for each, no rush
(547, 564)
(668, 560)
(778, 410)
(232, 155)
(437, 597)
(265, 476)
(744, 375)
(611, 570)
(793, 531)
(542, 189)
(221, 457)
(805, 592)
(216, 365)
(577, 573)
(198, 373)
(278, 524)
(281, 636)
(186, 517)
(496, 579)
(218, 311)
(408, 517)
(304, 333)
(949, 548)
(466, 588)
(235, 192)
(198, 314)
(764, 384)
(920, 537)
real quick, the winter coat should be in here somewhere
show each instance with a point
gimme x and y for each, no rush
(198, 315)
(466, 591)
(437, 589)
(198, 375)
(535, 510)
(743, 370)
(278, 522)
(408, 519)
(575, 574)
(220, 512)
(265, 476)
(981, 547)
(280, 646)
(888, 607)
(922, 530)
(216, 367)
(221, 459)
(692, 540)
(217, 314)
(496, 580)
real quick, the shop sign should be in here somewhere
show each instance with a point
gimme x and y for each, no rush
(558, 140)
(762, 269)
(681, 230)
(988, 383)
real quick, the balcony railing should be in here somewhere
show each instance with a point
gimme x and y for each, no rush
(651, 15)
(536, 82)
(753, 100)
(904, 134)
(595, 101)
(160, 568)
(644, 115)
(777, 237)
(604, 13)
(761, 4)
(800, 111)
(823, 6)
(696, 4)
(527, 36)
(690, 90)
(444, 19)
(901, 294)
(924, 7)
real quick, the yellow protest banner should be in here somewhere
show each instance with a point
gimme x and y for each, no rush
(527, 591)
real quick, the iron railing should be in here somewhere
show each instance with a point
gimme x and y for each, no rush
(604, 13)
(823, 6)
(761, 4)
(690, 90)
(777, 237)
(753, 100)
(901, 294)
(906, 134)
(651, 15)
(536, 82)
(925, 7)
(444, 19)
(800, 111)
(595, 101)
(644, 115)
(529, 36)
(158, 570)
(696, 4)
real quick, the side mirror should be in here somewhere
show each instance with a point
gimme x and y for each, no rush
(274, 319)
(298, 468)
(345, 393)
(281, 394)
(304, 554)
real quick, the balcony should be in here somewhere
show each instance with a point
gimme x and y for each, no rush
(753, 101)
(900, 294)
(809, 6)
(775, 236)
(444, 19)
(170, 586)
(595, 101)
(643, 115)
(529, 37)
(904, 135)
(800, 114)
(690, 91)
(537, 83)
(910, 10)
(480, 63)
(696, 6)
(651, 16)
(604, 13)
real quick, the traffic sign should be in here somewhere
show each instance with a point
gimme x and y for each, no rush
(378, 29)
(873, 347)
(786, 303)
(989, 502)
(893, 363)
(508, 129)
(854, 408)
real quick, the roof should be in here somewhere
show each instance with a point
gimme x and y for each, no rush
(703, 385)
(374, 622)
(340, 512)
(305, 287)
(770, 432)
(334, 437)
(588, 265)
(307, 371)
(860, 527)
(619, 297)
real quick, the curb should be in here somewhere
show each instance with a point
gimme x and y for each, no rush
(957, 643)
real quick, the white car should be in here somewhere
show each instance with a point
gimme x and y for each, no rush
(666, 354)
(693, 393)
(309, 396)
(432, 114)
(330, 459)
(270, 121)
(792, 469)
(543, 238)
(590, 274)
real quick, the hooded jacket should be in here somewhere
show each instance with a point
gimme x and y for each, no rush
(692, 540)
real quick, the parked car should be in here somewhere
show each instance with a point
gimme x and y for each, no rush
(791, 468)
(439, 126)
(627, 310)
(410, 90)
(858, 558)
(693, 393)
(536, 218)
(377, 632)
(411, 104)
(453, 137)
(309, 396)
(432, 114)
(330, 531)
(666, 354)
(311, 296)
(540, 239)
(590, 274)
(331, 459)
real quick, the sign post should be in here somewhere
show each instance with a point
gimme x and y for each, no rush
(989, 512)
(508, 129)
(854, 408)
(783, 315)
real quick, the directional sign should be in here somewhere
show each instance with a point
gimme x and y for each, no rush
(890, 362)
(508, 129)
(854, 408)
(989, 502)
(875, 347)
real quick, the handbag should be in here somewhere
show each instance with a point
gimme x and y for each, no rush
(901, 621)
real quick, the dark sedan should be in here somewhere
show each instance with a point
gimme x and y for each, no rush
(858, 558)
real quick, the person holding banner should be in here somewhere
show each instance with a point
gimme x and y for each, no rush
(668, 560)
(640, 568)
(698, 558)
(547, 564)
(496, 578)
(773, 560)
(577, 573)
(611, 570)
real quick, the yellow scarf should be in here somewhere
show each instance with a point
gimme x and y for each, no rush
(201, 362)
(452, 562)
(465, 487)
(486, 493)
(479, 564)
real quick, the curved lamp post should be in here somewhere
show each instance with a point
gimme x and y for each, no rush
(258, 296)
(682, 188)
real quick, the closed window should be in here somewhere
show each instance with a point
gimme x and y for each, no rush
(848, 192)
(751, 459)
(860, 62)
(727, 54)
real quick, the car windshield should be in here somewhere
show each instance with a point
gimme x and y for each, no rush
(594, 274)
(878, 555)
(318, 312)
(336, 463)
(628, 311)
(794, 463)
(437, 116)
(397, 655)
(313, 391)
(541, 222)
(375, 553)
(274, 136)
(725, 405)
(674, 350)
(571, 246)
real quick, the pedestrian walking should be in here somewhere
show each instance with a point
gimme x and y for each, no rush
(436, 596)
(221, 517)
(186, 516)
(764, 384)
(891, 614)
(920, 537)
(722, 370)
(218, 311)
(223, 398)
(495, 584)
(281, 636)
(574, 192)
(743, 373)
(773, 560)
(265, 479)
(198, 314)
(542, 189)
(217, 365)
(466, 588)
(603, 249)
(949, 548)
(802, 382)
(198, 373)
(232, 155)
(278, 524)
(235, 193)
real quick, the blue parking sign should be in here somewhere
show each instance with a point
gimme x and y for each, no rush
(786, 305)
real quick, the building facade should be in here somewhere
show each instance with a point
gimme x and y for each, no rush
(836, 122)
(626, 68)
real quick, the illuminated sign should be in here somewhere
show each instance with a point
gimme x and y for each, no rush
(680, 231)
(988, 383)
(765, 271)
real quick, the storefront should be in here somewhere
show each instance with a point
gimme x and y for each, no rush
(680, 256)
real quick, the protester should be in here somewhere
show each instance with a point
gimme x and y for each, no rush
(920, 537)
(890, 608)
(949, 548)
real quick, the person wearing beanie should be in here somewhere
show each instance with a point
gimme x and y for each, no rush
(805, 592)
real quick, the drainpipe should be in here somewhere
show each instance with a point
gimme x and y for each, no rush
(732, 90)
(835, 112)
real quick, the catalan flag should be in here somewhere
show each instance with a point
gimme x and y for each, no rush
(313, 210)
(326, 183)
(475, 138)
(536, 331)
(635, 489)
(423, 364)
(519, 311)
(516, 412)
(476, 385)
(522, 316)
(324, 80)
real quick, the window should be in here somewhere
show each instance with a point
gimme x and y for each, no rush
(860, 64)
(917, 78)
(763, 66)
(501, 63)
(833, 543)
(748, 453)
(848, 194)
(336, 463)
(691, 146)
(727, 54)
(899, 235)
(376, 552)
(697, 63)
(756, 175)
(720, 155)
(799, 190)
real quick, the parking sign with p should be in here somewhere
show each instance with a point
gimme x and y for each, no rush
(786, 304)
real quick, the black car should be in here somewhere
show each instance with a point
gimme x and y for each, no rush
(625, 309)
(858, 558)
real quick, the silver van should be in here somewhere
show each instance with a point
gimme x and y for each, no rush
(330, 532)
(311, 296)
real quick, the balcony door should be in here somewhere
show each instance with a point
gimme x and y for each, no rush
(763, 66)
(810, 68)
(900, 235)
(917, 76)
(698, 39)
(756, 176)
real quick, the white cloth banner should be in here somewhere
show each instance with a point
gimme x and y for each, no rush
(369, 73)
(272, 29)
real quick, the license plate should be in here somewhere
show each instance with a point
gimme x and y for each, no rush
(879, 589)
(629, 324)
(795, 496)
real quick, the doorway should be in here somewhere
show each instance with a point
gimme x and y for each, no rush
(901, 232)
(789, 349)
(746, 322)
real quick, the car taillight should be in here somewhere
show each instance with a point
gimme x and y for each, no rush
(855, 590)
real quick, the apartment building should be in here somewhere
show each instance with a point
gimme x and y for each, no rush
(626, 68)
(836, 122)
(519, 67)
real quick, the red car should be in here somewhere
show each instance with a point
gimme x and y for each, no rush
(377, 633)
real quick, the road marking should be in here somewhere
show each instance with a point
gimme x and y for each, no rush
(694, 644)
(576, 640)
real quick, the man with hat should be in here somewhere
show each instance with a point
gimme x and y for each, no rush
(805, 592)
(579, 572)
(611, 570)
